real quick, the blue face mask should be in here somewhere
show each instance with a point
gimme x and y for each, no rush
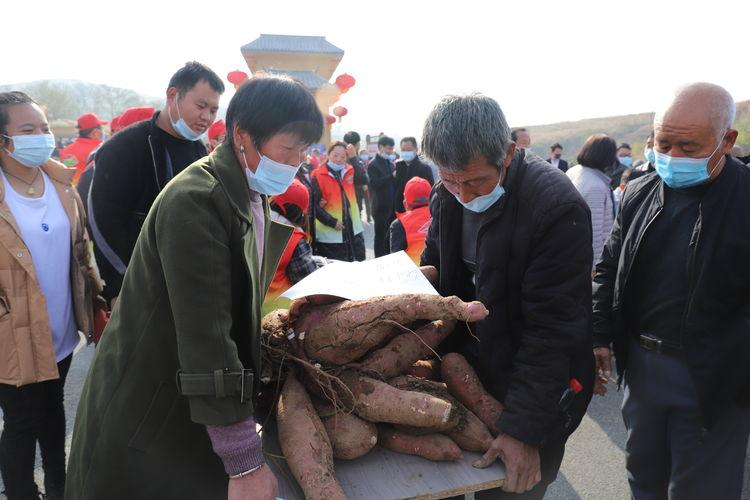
(364, 157)
(32, 150)
(408, 155)
(482, 203)
(181, 127)
(626, 160)
(683, 172)
(270, 177)
(336, 167)
(649, 154)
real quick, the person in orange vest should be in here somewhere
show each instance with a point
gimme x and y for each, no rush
(338, 226)
(216, 134)
(90, 136)
(409, 230)
(297, 261)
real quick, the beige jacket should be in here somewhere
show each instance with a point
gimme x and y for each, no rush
(26, 350)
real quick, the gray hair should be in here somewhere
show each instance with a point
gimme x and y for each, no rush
(461, 129)
(719, 103)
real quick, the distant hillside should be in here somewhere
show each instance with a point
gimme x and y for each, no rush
(68, 99)
(632, 129)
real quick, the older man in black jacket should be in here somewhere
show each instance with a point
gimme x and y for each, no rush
(515, 234)
(135, 165)
(672, 295)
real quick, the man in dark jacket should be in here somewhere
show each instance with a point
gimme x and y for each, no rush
(672, 296)
(135, 165)
(513, 233)
(361, 180)
(555, 157)
(408, 167)
(382, 175)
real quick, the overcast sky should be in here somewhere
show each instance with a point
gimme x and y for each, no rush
(544, 61)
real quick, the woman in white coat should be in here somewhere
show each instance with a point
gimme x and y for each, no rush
(597, 153)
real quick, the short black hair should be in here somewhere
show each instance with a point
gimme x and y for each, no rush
(599, 152)
(555, 146)
(386, 141)
(86, 133)
(193, 72)
(268, 105)
(514, 133)
(352, 137)
(624, 145)
(411, 140)
(8, 99)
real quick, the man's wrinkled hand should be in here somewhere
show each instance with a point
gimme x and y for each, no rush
(522, 466)
(603, 357)
(258, 485)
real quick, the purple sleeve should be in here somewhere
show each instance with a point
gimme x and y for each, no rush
(238, 445)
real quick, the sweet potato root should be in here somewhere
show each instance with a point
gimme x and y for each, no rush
(377, 401)
(464, 384)
(351, 437)
(431, 446)
(343, 332)
(470, 433)
(425, 368)
(403, 351)
(305, 443)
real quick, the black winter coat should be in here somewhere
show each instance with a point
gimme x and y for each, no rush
(382, 186)
(131, 169)
(404, 173)
(534, 275)
(716, 323)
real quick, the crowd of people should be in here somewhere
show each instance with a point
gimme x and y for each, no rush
(576, 264)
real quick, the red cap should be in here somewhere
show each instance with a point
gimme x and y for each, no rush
(297, 194)
(135, 115)
(215, 130)
(89, 120)
(114, 125)
(575, 385)
(417, 192)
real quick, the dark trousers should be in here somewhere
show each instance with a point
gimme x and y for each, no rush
(343, 251)
(550, 458)
(363, 202)
(669, 454)
(382, 231)
(32, 413)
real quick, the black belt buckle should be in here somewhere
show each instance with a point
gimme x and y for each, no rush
(651, 343)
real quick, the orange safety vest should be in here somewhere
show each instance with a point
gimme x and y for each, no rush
(331, 192)
(76, 154)
(281, 282)
(416, 224)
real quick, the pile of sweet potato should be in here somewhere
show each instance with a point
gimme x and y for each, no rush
(359, 373)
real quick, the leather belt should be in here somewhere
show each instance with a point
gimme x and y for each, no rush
(659, 346)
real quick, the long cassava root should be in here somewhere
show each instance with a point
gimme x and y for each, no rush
(343, 332)
(305, 443)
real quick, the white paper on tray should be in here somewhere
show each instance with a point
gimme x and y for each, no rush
(388, 275)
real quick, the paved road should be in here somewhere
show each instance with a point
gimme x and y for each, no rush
(594, 465)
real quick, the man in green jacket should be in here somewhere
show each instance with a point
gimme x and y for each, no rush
(167, 411)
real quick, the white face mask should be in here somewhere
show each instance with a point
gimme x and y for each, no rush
(270, 177)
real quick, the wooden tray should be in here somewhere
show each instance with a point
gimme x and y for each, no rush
(385, 475)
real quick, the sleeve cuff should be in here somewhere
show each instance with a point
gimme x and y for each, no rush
(238, 446)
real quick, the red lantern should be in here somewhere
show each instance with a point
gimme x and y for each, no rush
(330, 120)
(237, 77)
(345, 82)
(340, 111)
